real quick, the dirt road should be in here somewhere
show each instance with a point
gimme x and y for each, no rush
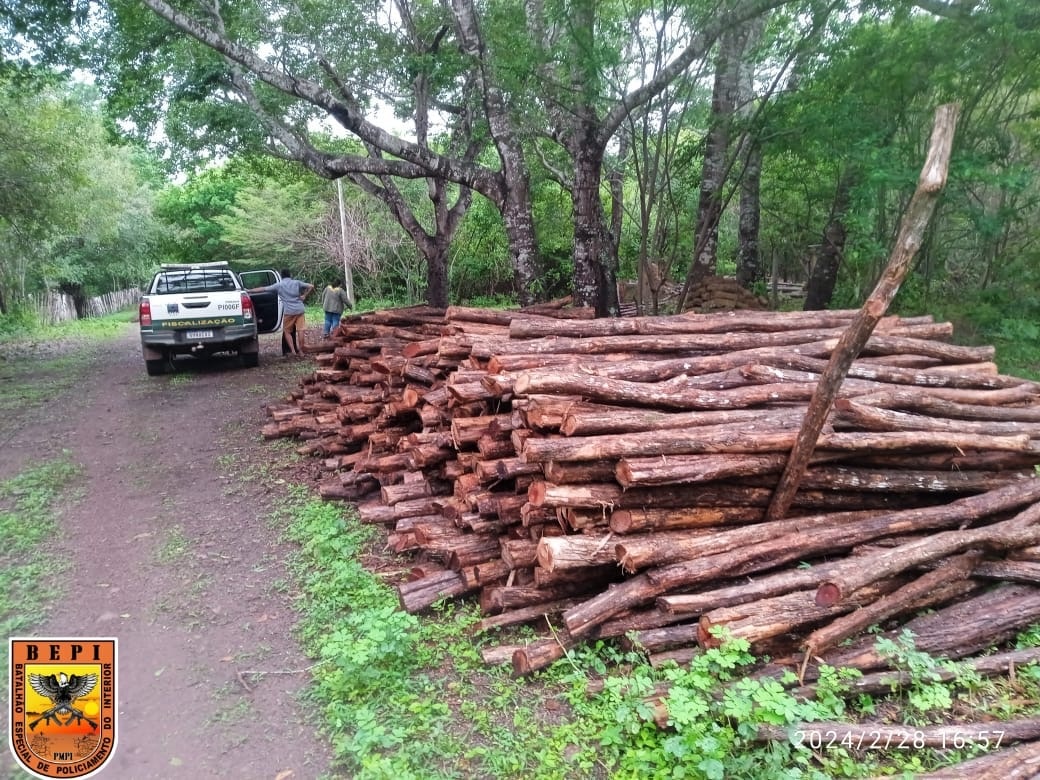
(173, 551)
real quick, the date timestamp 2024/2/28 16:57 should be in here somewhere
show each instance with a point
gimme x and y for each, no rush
(884, 739)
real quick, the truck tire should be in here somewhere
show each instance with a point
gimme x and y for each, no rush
(250, 353)
(156, 367)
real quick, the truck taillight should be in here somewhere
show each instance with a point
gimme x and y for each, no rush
(144, 312)
(247, 306)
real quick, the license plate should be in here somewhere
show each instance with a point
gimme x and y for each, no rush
(198, 334)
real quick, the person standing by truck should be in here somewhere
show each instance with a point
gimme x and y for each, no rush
(292, 293)
(334, 301)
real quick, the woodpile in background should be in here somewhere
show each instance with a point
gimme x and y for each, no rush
(715, 293)
(611, 477)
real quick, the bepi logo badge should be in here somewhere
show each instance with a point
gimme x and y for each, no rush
(63, 705)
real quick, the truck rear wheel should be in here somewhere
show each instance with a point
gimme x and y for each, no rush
(250, 354)
(156, 367)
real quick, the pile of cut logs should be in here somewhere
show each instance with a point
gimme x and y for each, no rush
(611, 478)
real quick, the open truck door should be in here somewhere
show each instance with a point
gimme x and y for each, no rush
(267, 305)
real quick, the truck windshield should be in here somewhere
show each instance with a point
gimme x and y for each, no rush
(194, 281)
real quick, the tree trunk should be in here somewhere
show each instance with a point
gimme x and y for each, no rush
(437, 277)
(716, 144)
(824, 276)
(514, 196)
(595, 265)
(748, 260)
(854, 574)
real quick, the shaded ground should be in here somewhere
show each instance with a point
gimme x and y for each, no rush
(173, 553)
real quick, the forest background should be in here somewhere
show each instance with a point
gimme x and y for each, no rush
(508, 152)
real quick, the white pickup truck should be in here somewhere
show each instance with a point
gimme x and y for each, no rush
(203, 309)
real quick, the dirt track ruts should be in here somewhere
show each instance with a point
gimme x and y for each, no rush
(173, 553)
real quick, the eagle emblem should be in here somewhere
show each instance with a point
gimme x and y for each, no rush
(63, 690)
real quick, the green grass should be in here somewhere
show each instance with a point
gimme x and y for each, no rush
(31, 568)
(35, 377)
(174, 546)
(14, 328)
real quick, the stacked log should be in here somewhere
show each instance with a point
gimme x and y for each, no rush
(716, 293)
(617, 473)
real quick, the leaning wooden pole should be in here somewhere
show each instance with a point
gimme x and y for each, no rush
(911, 232)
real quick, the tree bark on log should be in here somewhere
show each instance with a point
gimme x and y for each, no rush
(860, 415)
(574, 552)
(966, 405)
(655, 640)
(642, 551)
(892, 679)
(724, 439)
(756, 621)
(631, 521)
(757, 321)
(422, 593)
(1021, 762)
(1020, 531)
(596, 419)
(783, 549)
(899, 338)
(686, 469)
(525, 615)
(895, 603)
(954, 631)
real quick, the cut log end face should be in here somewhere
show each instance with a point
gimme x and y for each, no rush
(827, 595)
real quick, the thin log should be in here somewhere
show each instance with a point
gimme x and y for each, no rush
(892, 679)
(655, 640)
(630, 521)
(525, 615)
(957, 630)
(420, 594)
(771, 553)
(871, 418)
(756, 621)
(406, 491)
(691, 343)
(720, 439)
(575, 552)
(1020, 531)
(564, 473)
(759, 321)
(1021, 762)
(972, 404)
(685, 469)
(915, 222)
(592, 421)
(844, 627)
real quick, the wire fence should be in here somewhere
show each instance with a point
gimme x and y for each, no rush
(54, 307)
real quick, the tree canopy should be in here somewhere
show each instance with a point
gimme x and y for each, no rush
(569, 139)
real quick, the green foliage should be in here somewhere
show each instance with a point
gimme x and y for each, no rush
(714, 712)
(76, 214)
(926, 694)
(1028, 638)
(1003, 316)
